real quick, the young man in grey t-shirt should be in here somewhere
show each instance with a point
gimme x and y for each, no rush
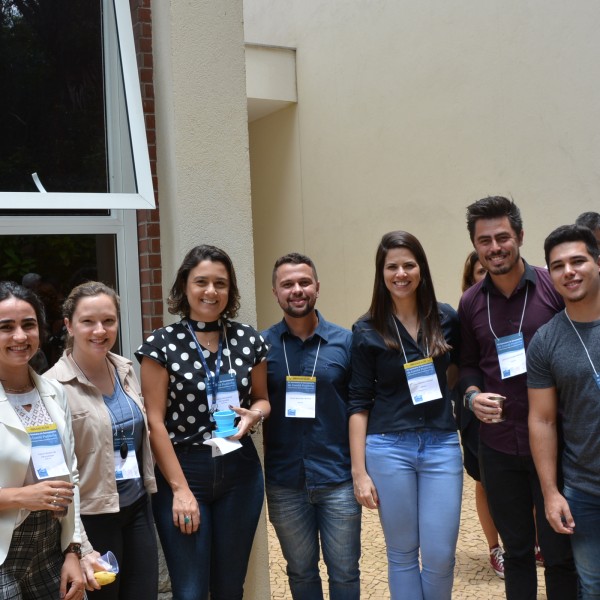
(563, 380)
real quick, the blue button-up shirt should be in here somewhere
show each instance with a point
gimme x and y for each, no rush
(311, 453)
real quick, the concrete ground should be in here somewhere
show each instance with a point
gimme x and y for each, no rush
(473, 580)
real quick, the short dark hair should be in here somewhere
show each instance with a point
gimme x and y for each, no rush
(381, 311)
(494, 207)
(571, 233)
(589, 219)
(11, 289)
(293, 258)
(89, 289)
(178, 302)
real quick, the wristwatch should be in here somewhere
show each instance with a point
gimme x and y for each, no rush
(73, 549)
(468, 399)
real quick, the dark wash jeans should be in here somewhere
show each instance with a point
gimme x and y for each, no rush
(301, 519)
(513, 489)
(129, 535)
(585, 509)
(230, 493)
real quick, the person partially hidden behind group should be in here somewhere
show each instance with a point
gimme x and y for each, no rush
(474, 272)
(206, 508)
(111, 443)
(40, 537)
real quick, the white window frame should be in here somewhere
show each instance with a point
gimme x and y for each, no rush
(123, 225)
(119, 97)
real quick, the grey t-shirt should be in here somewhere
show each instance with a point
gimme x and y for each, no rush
(556, 358)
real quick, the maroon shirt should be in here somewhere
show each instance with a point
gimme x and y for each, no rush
(479, 359)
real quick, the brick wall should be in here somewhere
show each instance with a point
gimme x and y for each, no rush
(148, 220)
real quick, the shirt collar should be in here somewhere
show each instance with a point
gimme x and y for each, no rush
(321, 330)
(529, 276)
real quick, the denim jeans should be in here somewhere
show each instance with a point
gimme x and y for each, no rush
(513, 490)
(300, 517)
(129, 534)
(585, 540)
(418, 476)
(230, 493)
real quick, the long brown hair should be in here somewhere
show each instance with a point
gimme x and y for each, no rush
(381, 311)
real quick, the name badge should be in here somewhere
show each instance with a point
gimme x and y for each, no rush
(227, 392)
(126, 468)
(47, 453)
(422, 381)
(300, 397)
(511, 355)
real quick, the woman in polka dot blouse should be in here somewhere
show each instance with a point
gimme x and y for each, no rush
(206, 509)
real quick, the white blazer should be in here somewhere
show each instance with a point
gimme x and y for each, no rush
(15, 454)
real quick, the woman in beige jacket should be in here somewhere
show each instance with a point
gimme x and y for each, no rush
(40, 538)
(111, 443)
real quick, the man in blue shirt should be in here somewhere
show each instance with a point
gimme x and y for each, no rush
(307, 455)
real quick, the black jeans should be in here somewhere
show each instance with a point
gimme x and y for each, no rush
(129, 535)
(513, 489)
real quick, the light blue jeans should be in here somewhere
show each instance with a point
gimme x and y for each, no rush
(585, 540)
(300, 518)
(418, 475)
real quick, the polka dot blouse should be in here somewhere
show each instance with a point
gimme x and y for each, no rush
(187, 403)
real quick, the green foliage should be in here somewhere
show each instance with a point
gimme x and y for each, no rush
(44, 254)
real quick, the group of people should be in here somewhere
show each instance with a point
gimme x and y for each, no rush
(90, 458)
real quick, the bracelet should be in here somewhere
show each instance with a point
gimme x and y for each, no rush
(468, 399)
(259, 424)
(73, 549)
(262, 415)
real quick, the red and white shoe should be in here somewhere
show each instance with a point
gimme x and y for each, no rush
(539, 559)
(497, 560)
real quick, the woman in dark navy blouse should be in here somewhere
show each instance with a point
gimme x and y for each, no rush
(406, 457)
(206, 508)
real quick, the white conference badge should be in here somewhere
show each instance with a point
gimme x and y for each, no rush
(126, 468)
(227, 392)
(300, 397)
(47, 453)
(422, 381)
(511, 355)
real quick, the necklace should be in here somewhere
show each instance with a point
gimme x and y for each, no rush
(22, 390)
(206, 340)
(123, 447)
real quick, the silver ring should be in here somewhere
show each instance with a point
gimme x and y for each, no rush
(187, 519)
(54, 501)
(56, 495)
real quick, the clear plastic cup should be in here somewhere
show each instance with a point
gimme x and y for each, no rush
(109, 562)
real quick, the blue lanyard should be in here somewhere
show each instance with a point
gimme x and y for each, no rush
(213, 379)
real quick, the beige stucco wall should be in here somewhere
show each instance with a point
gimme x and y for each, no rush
(407, 112)
(203, 167)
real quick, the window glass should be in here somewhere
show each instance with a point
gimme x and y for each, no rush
(73, 134)
(51, 265)
(51, 106)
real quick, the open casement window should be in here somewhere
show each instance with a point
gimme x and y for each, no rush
(70, 109)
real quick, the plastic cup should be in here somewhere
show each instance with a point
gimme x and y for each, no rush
(224, 420)
(109, 562)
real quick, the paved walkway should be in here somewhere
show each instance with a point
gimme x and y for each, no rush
(474, 579)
